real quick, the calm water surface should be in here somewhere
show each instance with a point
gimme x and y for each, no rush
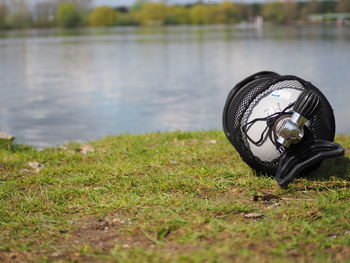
(58, 86)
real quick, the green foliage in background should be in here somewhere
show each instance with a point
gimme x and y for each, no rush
(19, 16)
(73, 13)
(273, 11)
(152, 13)
(159, 13)
(44, 14)
(343, 6)
(226, 13)
(3, 14)
(68, 15)
(178, 15)
(103, 16)
(201, 14)
(127, 19)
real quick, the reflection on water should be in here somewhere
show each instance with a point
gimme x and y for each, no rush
(59, 86)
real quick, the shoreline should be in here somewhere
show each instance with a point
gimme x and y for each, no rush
(234, 25)
(10, 139)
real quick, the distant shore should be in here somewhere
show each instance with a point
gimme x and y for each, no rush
(239, 24)
(72, 14)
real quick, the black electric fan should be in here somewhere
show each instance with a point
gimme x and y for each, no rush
(280, 125)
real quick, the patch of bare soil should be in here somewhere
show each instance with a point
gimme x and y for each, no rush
(101, 234)
(14, 256)
(343, 254)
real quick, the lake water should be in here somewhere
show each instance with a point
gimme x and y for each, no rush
(59, 86)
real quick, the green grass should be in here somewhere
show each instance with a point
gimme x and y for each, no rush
(167, 197)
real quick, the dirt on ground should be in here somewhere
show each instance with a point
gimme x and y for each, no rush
(100, 233)
(14, 256)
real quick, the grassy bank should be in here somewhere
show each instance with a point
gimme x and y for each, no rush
(164, 197)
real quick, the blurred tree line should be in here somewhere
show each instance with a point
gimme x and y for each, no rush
(75, 13)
